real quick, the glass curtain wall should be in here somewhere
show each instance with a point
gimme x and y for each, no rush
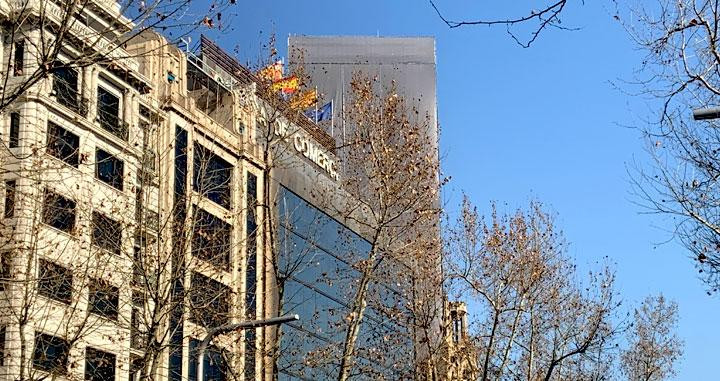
(318, 257)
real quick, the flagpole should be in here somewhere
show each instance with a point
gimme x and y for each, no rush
(342, 101)
(316, 108)
(332, 118)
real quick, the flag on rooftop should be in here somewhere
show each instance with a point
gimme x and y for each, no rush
(304, 100)
(273, 72)
(286, 85)
(319, 114)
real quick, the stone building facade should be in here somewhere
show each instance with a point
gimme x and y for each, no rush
(157, 193)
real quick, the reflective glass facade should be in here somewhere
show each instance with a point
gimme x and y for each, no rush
(318, 257)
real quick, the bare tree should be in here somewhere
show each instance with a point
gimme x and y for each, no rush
(535, 318)
(524, 29)
(654, 348)
(679, 73)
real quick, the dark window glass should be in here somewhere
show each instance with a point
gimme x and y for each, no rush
(50, 354)
(59, 212)
(109, 169)
(106, 233)
(10, 198)
(63, 144)
(19, 58)
(251, 244)
(136, 366)
(108, 113)
(103, 299)
(212, 176)
(209, 301)
(211, 239)
(181, 164)
(2, 345)
(5, 269)
(14, 130)
(65, 86)
(215, 364)
(55, 281)
(138, 266)
(99, 365)
(175, 357)
(250, 273)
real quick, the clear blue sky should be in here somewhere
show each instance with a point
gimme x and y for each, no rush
(542, 123)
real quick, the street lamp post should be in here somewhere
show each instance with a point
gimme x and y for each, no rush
(212, 332)
(706, 113)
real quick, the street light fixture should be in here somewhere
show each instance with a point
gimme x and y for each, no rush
(706, 113)
(212, 332)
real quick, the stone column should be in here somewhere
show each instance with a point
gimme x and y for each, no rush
(89, 88)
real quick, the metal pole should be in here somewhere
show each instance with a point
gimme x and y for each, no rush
(706, 113)
(234, 327)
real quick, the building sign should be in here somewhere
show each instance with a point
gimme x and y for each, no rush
(308, 147)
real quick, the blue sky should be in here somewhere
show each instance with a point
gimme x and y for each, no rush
(519, 124)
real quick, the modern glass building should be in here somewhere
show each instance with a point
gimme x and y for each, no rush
(408, 63)
(318, 255)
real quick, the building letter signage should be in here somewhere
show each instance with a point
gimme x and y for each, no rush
(308, 148)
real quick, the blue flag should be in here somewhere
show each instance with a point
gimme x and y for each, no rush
(323, 113)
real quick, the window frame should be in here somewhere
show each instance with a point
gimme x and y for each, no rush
(210, 231)
(101, 302)
(113, 124)
(220, 193)
(114, 244)
(103, 355)
(65, 81)
(14, 133)
(10, 198)
(70, 229)
(19, 58)
(117, 169)
(48, 288)
(212, 311)
(56, 144)
(6, 273)
(54, 366)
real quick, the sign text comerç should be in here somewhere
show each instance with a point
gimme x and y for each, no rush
(306, 146)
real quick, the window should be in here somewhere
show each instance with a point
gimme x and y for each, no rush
(108, 113)
(63, 144)
(209, 301)
(103, 299)
(9, 198)
(5, 269)
(215, 362)
(250, 272)
(99, 365)
(59, 212)
(50, 354)
(106, 233)
(2, 345)
(65, 86)
(55, 281)
(14, 130)
(136, 366)
(19, 58)
(109, 169)
(211, 239)
(212, 176)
